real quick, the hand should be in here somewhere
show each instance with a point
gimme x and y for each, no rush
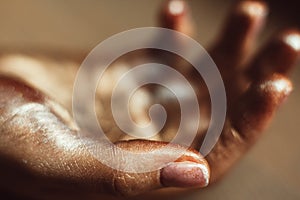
(256, 83)
(39, 145)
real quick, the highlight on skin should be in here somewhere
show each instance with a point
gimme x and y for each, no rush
(39, 138)
(293, 40)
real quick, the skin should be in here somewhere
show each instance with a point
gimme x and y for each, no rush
(42, 156)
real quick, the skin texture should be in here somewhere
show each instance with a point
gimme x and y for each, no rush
(40, 151)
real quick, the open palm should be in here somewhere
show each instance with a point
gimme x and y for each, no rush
(40, 143)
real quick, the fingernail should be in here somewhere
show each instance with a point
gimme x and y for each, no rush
(185, 174)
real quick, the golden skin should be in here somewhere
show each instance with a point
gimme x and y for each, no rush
(255, 88)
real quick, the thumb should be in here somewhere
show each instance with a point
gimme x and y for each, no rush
(42, 152)
(190, 170)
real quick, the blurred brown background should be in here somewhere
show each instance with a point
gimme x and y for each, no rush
(269, 171)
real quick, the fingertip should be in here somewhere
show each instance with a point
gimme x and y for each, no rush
(190, 170)
(176, 7)
(257, 106)
(292, 39)
(241, 28)
(286, 49)
(278, 56)
(247, 18)
(185, 174)
(253, 13)
(267, 96)
(278, 86)
(171, 13)
(175, 14)
(253, 9)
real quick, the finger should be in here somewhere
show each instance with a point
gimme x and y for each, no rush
(175, 14)
(258, 105)
(37, 137)
(238, 35)
(190, 170)
(277, 56)
(247, 121)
